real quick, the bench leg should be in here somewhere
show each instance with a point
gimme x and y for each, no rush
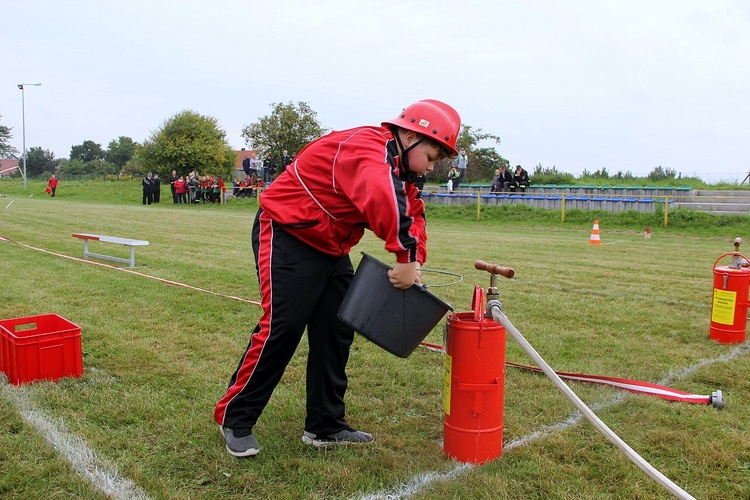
(132, 256)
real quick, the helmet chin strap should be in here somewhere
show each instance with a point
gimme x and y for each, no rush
(406, 173)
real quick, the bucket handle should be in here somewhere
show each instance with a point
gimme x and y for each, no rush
(477, 303)
(734, 254)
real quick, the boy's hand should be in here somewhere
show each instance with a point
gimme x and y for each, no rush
(405, 275)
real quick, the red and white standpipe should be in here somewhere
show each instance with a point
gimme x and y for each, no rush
(475, 384)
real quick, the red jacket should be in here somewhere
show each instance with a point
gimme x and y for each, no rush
(343, 183)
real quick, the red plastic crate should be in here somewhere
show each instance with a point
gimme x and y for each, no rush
(43, 347)
(2, 362)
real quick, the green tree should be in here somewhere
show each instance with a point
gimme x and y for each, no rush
(550, 175)
(6, 150)
(40, 161)
(601, 173)
(133, 169)
(187, 141)
(482, 160)
(87, 152)
(74, 167)
(289, 127)
(120, 151)
(660, 173)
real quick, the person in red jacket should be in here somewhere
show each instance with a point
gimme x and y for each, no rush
(52, 185)
(309, 219)
(181, 189)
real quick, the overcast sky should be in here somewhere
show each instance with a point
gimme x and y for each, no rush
(575, 84)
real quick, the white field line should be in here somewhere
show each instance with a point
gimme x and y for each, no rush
(99, 471)
(424, 479)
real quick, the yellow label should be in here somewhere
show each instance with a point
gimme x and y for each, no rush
(447, 384)
(723, 306)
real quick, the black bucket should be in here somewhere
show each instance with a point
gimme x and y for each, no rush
(394, 319)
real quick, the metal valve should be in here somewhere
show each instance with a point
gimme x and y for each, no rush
(738, 261)
(494, 270)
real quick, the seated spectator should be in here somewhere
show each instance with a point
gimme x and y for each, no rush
(502, 181)
(249, 187)
(520, 180)
(453, 178)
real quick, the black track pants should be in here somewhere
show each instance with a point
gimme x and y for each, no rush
(300, 287)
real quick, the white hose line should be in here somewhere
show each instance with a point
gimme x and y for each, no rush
(657, 476)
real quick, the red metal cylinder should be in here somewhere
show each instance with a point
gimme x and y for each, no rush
(474, 388)
(729, 304)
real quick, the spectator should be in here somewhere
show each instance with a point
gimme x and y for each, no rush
(269, 168)
(156, 188)
(216, 190)
(453, 178)
(172, 179)
(462, 161)
(255, 167)
(521, 179)
(502, 181)
(246, 163)
(180, 187)
(419, 184)
(203, 189)
(240, 187)
(148, 188)
(257, 184)
(193, 188)
(285, 160)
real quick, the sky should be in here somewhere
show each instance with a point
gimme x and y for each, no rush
(571, 84)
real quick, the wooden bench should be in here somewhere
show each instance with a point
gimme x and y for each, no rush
(110, 239)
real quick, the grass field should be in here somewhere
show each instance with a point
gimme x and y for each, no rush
(157, 357)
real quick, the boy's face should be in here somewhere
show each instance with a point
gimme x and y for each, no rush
(424, 156)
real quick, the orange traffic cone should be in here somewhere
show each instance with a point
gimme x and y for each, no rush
(594, 240)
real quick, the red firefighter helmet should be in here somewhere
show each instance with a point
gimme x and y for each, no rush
(433, 119)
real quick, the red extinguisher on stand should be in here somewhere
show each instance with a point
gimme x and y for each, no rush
(729, 302)
(475, 378)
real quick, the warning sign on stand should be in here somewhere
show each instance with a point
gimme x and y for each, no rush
(723, 306)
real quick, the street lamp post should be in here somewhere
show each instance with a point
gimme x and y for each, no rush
(23, 119)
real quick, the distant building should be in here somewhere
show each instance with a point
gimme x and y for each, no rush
(8, 167)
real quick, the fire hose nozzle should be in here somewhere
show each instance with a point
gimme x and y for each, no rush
(737, 242)
(716, 399)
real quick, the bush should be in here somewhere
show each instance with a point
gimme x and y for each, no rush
(555, 178)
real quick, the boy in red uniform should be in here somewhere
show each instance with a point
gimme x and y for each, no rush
(309, 219)
(52, 185)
